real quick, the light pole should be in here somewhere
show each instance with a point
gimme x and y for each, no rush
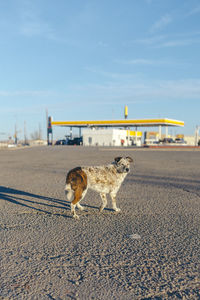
(197, 135)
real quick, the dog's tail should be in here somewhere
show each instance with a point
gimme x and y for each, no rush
(68, 191)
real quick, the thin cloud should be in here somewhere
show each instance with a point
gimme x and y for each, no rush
(194, 11)
(149, 41)
(173, 40)
(139, 61)
(111, 75)
(160, 24)
(102, 44)
(143, 90)
(26, 93)
(151, 63)
(145, 62)
(155, 90)
(182, 39)
(36, 28)
(178, 43)
(31, 25)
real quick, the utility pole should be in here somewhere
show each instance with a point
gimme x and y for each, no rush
(25, 135)
(39, 132)
(47, 126)
(197, 135)
(15, 135)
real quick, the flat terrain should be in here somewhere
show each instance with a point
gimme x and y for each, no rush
(150, 250)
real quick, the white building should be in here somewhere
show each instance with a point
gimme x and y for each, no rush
(111, 137)
(190, 140)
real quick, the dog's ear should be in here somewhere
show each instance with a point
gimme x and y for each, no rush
(117, 159)
(129, 159)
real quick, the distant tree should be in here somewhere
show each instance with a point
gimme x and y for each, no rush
(37, 134)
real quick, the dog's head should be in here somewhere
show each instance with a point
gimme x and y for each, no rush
(123, 164)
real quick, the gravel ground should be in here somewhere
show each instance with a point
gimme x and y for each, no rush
(150, 250)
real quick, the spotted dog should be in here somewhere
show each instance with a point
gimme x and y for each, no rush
(102, 179)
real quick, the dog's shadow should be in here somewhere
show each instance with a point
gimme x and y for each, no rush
(20, 197)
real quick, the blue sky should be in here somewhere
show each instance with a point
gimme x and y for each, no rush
(87, 59)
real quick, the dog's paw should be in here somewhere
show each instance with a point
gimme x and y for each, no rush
(101, 208)
(117, 209)
(76, 217)
(80, 207)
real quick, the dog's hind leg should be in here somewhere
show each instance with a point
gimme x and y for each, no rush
(113, 197)
(104, 201)
(78, 203)
(78, 195)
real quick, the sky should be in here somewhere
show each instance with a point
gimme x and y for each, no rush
(87, 59)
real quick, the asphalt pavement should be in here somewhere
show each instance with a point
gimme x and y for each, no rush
(150, 250)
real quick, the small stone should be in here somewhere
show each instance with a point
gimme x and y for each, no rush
(135, 236)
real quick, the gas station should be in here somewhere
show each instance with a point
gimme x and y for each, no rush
(125, 124)
(138, 123)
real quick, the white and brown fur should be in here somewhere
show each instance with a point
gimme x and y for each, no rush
(102, 179)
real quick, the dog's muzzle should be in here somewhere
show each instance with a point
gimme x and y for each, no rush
(123, 170)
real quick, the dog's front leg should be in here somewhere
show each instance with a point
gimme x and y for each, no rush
(104, 201)
(113, 197)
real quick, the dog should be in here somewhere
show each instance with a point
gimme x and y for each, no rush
(102, 179)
